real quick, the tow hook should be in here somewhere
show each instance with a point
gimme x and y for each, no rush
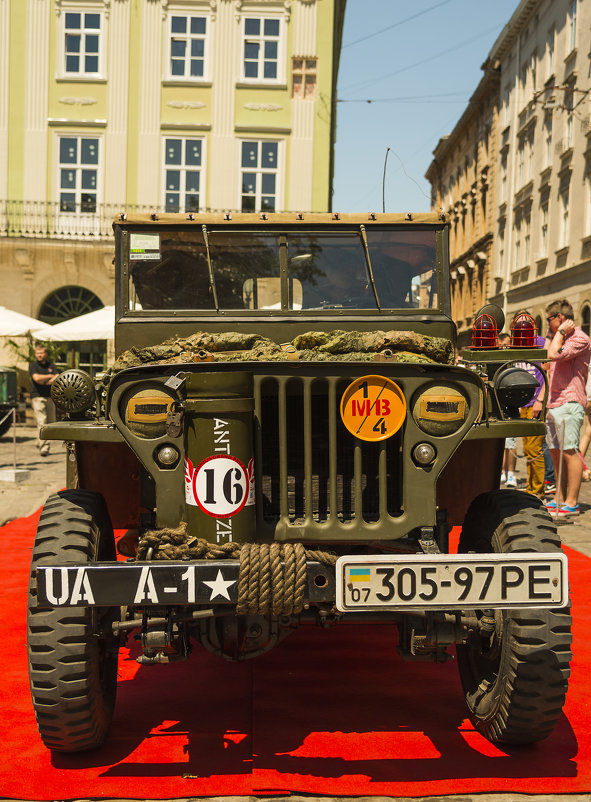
(168, 644)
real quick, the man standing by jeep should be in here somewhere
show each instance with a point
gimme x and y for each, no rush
(568, 349)
(43, 373)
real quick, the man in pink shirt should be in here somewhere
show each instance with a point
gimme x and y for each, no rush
(569, 349)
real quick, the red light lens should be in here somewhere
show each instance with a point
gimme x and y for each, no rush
(484, 332)
(523, 331)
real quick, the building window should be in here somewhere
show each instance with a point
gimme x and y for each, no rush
(523, 84)
(572, 26)
(501, 252)
(534, 71)
(259, 176)
(183, 159)
(262, 40)
(78, 173)
(569, 125)
(517, 263)
(520, 163)
(304, 78)
(506, 107)
(548, 143)
(529, 156)
(188, 43)
(68, 302)
(586, 319)
(544, 231)
(503, 178)
(82, 40)
(564, 222)
(550, 53)
(526, 240)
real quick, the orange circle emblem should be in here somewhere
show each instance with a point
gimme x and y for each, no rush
(373, 408)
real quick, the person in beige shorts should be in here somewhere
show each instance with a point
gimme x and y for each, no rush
(43, 373)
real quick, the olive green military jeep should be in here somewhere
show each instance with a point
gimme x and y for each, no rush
(285, 439)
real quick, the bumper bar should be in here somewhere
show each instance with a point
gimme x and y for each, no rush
(155, 584)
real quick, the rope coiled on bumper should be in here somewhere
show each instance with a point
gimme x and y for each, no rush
(272, 578)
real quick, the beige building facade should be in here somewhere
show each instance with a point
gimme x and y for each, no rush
(543, 215)
(463, 179)
(540, 171)
(152, 105)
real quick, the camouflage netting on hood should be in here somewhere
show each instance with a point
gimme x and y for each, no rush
(343, 346)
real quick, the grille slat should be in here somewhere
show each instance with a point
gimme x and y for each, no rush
(332, 446)
(282, 421)
(308, 473)
(383, 480)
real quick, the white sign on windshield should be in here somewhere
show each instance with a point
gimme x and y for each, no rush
(144, 246)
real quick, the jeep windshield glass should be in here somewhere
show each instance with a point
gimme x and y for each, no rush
(172, 269)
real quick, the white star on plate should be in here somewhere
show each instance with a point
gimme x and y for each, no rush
(219, 587)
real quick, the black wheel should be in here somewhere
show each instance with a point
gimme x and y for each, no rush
(72, 651)
(515, 682)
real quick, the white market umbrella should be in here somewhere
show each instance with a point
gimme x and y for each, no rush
(14, 324)
(97, 325)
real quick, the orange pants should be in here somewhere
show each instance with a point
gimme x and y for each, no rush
(532, 448)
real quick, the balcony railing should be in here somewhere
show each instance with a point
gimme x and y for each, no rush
(49, 220)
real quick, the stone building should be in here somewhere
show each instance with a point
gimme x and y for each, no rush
(463, 179)
(541, 210)
(543, 215)
(175, 105)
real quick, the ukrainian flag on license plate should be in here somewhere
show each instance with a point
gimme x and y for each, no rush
(359, 574)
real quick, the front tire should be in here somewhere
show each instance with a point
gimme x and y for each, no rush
(515, 683)
(72, 651)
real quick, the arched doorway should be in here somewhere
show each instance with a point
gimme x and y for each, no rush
(66, 303)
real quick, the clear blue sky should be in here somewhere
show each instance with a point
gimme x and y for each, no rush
(421, 74)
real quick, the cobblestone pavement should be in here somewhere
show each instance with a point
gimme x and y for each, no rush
(47, 475)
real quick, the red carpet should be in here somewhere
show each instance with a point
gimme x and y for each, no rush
(284, 722)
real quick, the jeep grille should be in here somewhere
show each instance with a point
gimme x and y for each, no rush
(312, 469)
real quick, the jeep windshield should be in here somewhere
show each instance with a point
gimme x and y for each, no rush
(211, 269)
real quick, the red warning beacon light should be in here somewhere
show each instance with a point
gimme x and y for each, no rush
(484, 332)
(523, 331)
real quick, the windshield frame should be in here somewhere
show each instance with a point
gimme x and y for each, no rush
(282, 231)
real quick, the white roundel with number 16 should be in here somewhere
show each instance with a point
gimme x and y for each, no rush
(219, 485)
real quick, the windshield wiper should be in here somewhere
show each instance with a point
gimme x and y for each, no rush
(210, 268)
(368, 260)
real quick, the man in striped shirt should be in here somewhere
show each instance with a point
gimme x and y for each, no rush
(569, 349)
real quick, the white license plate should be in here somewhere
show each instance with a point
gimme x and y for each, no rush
(451, 581)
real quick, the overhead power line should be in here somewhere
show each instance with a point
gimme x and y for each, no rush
(464, 43)
(434, 98)
(395, 24)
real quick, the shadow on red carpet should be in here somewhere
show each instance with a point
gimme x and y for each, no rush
(284, 722)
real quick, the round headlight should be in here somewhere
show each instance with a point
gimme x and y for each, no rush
(440, 410)
(73, 391)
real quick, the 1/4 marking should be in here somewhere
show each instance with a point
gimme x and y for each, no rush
(373, 408)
